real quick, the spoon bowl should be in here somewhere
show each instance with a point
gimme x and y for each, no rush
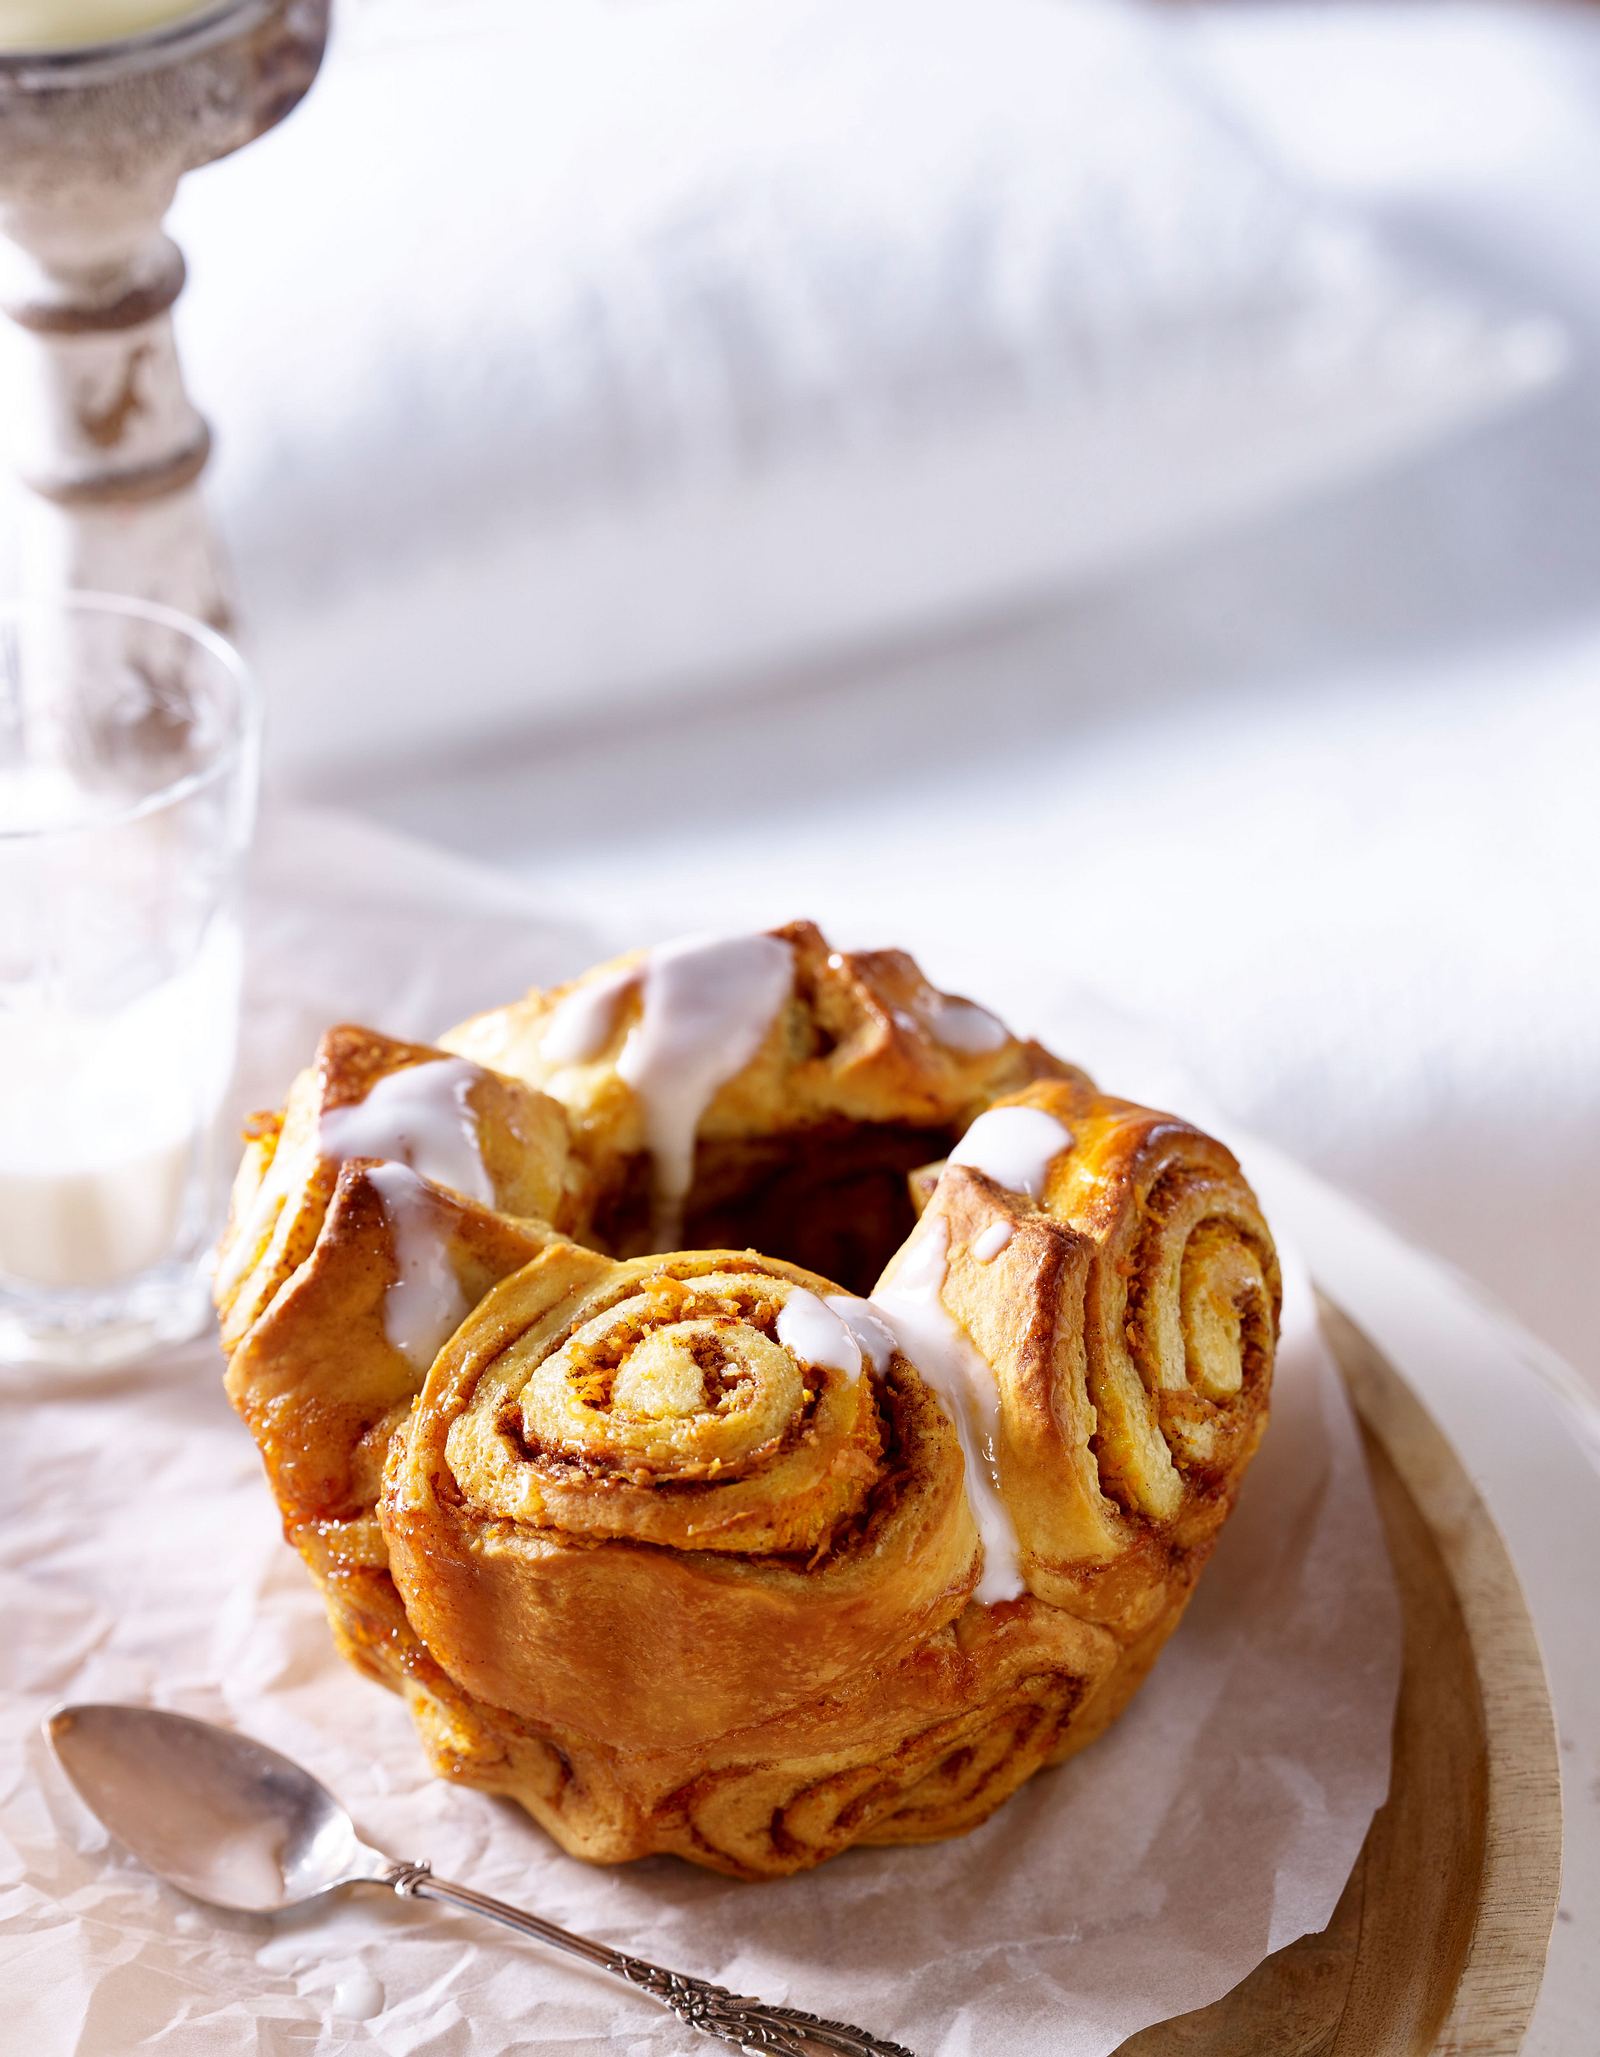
(221, 1817)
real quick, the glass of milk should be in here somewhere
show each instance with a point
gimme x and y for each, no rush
(128, 766)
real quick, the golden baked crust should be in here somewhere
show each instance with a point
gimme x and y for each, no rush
(647, 1543)
(851, 1067)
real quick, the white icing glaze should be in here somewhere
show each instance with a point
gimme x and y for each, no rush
(420, 1116)
(580, 1026)
(989, 1242)
(248, 1866)
(912, 1305)
(875, 1337)
(424, 1303)
(707, 1004)
(816, 1334)
(961, 1025)
(1013, 1146)
(358, 1996)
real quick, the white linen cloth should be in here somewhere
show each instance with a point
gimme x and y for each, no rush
(1405, 670)
(558, 356)
(141, 1559)
(1319, 792)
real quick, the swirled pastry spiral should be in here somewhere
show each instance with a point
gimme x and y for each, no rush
(748, 1557)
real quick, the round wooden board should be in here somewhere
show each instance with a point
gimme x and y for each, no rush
(1438, 1942)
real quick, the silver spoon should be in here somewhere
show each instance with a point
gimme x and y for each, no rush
(232, 1823)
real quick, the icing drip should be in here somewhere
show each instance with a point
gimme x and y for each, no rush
(912, 1306)
(359, 1996)
(580, 1026)
(706, 1003)
(875, 1337)
(707, 1006)
(248, 1865)
(960, 1025)
(424, 1303)
(817, 1334)
(1014, 1147)
(421, 1117)
(987, 1245)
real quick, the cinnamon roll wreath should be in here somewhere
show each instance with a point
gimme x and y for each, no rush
(745, 1556)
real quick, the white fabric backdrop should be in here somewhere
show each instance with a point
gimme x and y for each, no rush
(1316, 795)
(561, 356)
(1369, 722)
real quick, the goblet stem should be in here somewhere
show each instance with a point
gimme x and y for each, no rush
(110, 444)
(93, 142)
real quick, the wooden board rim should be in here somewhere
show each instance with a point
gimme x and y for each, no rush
(1437, 1946)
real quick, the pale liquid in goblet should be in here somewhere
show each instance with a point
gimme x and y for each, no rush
(107, 1130)
(127, 778)
(60, 24)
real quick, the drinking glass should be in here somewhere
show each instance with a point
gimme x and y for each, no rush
(129, 750)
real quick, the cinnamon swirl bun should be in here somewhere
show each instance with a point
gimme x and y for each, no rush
(748, 1557)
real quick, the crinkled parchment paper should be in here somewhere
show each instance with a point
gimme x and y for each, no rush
(140, 1559)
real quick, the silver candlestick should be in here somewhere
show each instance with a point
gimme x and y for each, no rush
(93, 142)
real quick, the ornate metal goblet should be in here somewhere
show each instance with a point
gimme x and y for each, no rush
(93, 141)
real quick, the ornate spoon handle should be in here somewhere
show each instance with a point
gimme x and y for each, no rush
(726, 2017)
